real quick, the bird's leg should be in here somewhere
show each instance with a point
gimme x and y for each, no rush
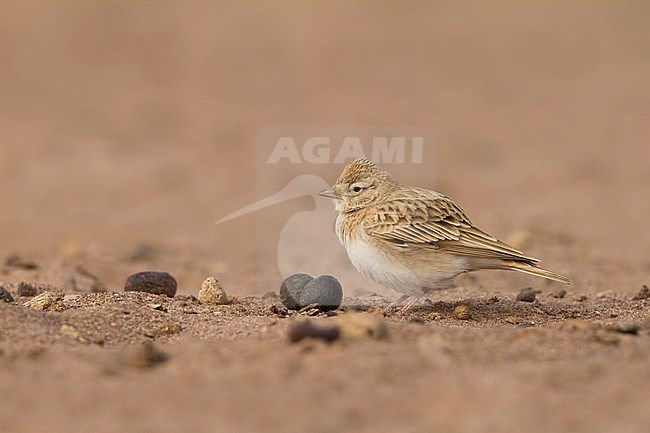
(399, 301)
(412, 301)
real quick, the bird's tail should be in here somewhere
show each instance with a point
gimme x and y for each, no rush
(534, 270)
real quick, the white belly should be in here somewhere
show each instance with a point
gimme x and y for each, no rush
(394, 275)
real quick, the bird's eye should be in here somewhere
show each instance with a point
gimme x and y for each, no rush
(357, 187)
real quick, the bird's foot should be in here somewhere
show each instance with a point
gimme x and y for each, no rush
(405, 302)
(412, 301)
(399, 302)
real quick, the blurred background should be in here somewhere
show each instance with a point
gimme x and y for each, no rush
(128, 128)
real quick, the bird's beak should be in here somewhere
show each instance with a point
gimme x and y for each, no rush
(329, 193)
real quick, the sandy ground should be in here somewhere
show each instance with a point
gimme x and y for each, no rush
(128, 128)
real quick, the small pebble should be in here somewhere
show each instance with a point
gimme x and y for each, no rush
(325, 291)
(526, 295)
(307, 329)
(47, 301)
(462, 312)
(212, 293)
(158, 283)
(291, 288)
(5, 295)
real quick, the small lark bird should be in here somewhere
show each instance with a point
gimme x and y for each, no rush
(414, 240)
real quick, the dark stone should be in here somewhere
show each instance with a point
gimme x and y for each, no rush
(5, 295)
(291, 288)
(526, 295)
(158, 283)
(324, 291)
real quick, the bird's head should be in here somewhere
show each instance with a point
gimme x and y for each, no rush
(362, 183)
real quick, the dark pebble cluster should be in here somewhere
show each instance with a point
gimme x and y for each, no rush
(300, 290)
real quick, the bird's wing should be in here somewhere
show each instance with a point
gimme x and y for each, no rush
(427, 219)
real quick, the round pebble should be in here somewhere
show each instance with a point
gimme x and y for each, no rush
(324, 291)
(212, 293)
(526, 295)
(158, 283)
(5, 295)
(291, 288)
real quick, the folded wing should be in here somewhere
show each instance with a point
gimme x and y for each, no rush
(431, 220)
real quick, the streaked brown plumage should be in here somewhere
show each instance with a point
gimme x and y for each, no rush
(414, 240)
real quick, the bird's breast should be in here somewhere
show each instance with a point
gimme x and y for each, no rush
(346, 228)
